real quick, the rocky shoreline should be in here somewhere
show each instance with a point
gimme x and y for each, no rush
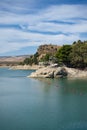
(58, 72)
(25, 67)
(51, 71)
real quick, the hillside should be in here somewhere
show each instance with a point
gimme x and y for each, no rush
(12, 60)
(47, 49)
(74, 55)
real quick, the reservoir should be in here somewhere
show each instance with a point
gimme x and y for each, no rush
(41, 104)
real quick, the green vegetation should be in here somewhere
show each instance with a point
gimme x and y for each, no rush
(74, 55)
(63, 55)
(28, 61)
(45, 58)
(31, 60)
(78, 55)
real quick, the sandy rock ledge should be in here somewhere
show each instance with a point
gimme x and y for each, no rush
(56, 72)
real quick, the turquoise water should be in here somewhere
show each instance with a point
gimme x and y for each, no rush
(41, 104)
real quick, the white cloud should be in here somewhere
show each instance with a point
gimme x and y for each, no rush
(14, 38)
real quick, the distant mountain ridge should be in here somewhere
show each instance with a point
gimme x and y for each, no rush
(12, 60)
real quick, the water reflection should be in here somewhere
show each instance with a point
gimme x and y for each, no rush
(75, 86)
(65, 86)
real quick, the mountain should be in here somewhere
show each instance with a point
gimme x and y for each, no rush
(12, 60)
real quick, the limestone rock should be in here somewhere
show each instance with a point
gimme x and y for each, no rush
(56, 72)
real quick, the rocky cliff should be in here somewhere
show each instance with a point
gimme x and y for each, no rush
(43, 49)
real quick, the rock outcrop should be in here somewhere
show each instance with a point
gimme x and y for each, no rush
(56, 72)
(48, 49)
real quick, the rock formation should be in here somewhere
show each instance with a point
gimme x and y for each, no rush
(56, 72)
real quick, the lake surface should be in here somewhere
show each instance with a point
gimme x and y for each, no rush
(41, 104)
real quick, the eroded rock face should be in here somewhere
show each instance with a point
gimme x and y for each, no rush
(56, 72)
(60, 72)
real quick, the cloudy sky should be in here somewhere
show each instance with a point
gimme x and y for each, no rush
(26, 24)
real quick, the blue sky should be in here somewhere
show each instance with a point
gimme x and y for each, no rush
(26, 24)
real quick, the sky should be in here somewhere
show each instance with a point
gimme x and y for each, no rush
(26, 24)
